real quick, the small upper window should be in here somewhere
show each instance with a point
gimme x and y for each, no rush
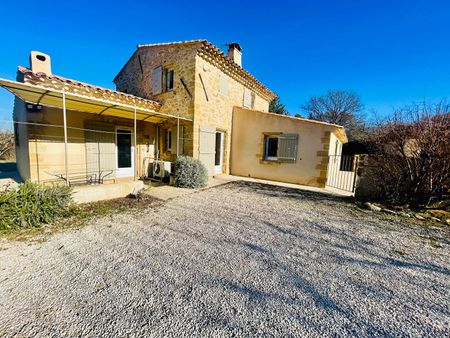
(169, 79)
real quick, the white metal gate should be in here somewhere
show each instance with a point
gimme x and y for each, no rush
(342, 172)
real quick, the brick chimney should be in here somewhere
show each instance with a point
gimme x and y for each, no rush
(40, 63)
(235, 53)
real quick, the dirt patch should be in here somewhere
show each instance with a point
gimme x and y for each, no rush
(80, 215)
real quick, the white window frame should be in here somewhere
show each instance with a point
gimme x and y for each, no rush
(128, 171)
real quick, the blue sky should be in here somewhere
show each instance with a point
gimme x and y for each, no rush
(390, 52)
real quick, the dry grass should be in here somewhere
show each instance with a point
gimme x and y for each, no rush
(80, 215)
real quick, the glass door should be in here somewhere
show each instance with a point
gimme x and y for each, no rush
(218, 156)
(125, 153)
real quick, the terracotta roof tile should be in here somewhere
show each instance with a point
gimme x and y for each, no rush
(73, 86)
(217, 57)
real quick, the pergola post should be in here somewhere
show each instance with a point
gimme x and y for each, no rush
(178, 135)
(135, 146)
(65, 137)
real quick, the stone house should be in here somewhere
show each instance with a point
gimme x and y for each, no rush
(198, 81)
(182, 98)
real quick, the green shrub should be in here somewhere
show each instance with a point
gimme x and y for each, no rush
(190, 173)
(32, 205)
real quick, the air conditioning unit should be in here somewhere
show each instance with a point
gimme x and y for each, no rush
(162, 169)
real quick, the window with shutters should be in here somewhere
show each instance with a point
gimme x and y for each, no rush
(281, 148)
(271, 148)
(168, 79)
(162, 80)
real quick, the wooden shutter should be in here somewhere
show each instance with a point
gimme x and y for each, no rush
(287, 147)
(157, 80)
(223, 84)
(247, 98)
(207, 147)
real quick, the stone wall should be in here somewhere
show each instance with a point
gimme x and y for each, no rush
(196, 94)
(213, 108)
(136, 78)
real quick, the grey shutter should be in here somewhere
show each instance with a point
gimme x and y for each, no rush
(223, 84)
(207, 147)
(100, 140)
(287, 147)
(157, 81)
(247, 98)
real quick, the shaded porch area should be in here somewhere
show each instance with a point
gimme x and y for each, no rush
(96, 138)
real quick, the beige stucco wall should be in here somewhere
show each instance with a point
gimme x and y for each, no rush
(46, 143)
(248, 148)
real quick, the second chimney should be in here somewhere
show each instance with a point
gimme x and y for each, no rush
(40, 63)
(235, 53)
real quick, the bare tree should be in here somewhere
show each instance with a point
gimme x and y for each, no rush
(411, 162)
(340, 107)
(6, 144)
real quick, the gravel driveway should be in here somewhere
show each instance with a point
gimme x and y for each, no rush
(243, 259)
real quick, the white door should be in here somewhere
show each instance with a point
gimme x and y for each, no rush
(125, 152)
(218, 155)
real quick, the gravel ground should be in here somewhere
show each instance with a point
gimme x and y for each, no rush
(243, 259)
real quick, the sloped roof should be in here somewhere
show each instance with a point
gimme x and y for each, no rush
(85, 89)
(217, 57)
(339, 131)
